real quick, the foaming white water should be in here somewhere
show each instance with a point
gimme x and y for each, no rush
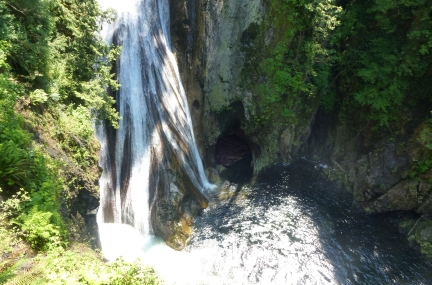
(174, 267)
(262, 246)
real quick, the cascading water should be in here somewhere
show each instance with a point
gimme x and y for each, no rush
(156, 127)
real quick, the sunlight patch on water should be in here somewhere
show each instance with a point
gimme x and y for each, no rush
(284, 234)
(276, 245)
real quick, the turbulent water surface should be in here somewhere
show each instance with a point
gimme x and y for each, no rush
(290, 228)
(293, 228)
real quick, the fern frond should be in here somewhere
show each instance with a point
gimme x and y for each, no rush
(26, 277)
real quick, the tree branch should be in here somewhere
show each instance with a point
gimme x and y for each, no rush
(16, 9)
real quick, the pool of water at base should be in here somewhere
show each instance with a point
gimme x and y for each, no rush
(291, 227)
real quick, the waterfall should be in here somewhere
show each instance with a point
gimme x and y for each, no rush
(156, 128)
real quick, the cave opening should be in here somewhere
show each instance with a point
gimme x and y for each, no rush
(234, 154)
(196, 105)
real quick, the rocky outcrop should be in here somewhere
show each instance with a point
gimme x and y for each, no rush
(206, 37)
(408, 195)
(381, 174)
(212, 40)
(418, 232)
(174, 211)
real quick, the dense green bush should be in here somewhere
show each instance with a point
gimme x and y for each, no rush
(53, 50)
(54, 72)
(38, 229)
(369, 60)
(294, 68)
(385, 61)
(76, 265)
(81, 266)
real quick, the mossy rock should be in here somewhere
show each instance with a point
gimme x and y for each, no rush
(423, 237)
(180, 236)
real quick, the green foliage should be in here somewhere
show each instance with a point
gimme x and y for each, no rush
(54, 51)
(13, 140)
(38, 96)
(26, 26)
(370, 59)
(53, 63)
(296, 65)
(7, 274)
(82, 266)
(132, 273)
(24, 166)
(27, 277)
(38, 230)
(14, 163)
(385, 60)
(82, 70)
(15, 155)
(75, 265)
(13, 206)
(75, 131)
(424, 159)
(37, 227)
(425, 137)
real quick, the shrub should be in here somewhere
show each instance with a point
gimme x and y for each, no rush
(38, 230)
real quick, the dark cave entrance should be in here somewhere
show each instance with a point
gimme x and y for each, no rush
(234, 154)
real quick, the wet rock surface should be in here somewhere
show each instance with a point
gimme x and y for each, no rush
(408, 195)
(174, 210)
(211, 40)
(379, 174)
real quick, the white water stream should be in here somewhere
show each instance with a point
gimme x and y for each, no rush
(155, 115)
(156, 123)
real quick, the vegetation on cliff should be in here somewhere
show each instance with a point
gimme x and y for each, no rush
(384, 61)
(295, 68)
(54, 73)
(372, 57)
(383, 71)
(368, 62)
(367, 66)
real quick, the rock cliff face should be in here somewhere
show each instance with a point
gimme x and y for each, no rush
(379, 173)
(213, 40)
